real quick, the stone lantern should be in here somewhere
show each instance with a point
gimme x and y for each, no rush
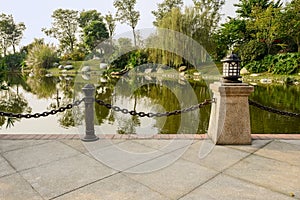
(231, 69)
(229, 122)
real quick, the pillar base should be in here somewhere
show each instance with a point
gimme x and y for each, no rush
(230, 118)
(90, 138)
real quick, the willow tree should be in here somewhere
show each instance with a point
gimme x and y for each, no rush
(198, 22)
(164, 8)
(127, 14)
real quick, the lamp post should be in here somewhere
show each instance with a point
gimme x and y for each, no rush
(231, 69)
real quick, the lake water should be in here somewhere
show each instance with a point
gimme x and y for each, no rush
(22, 94)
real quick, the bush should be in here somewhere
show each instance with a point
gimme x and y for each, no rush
(77, 55)
(279, 64)
(12, 61)
(41, 56)
(252, 51)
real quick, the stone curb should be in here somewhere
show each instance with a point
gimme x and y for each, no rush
(130, 136)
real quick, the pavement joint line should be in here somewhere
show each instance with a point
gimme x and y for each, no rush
(222, 171)
(125, 174)
(47, 163)
(27, 146)
(85, 185)
(253, 154)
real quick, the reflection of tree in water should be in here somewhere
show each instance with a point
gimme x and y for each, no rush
(43, 87)
(10, 101)
(63, 96)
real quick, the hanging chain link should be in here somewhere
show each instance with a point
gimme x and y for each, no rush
(44, 114)
(151, 115)
(273, 110)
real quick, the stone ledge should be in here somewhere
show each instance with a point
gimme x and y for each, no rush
(137, 137)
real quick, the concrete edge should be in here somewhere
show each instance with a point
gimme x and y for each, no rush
(143, 137)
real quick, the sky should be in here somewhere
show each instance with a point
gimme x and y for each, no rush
(36, 14)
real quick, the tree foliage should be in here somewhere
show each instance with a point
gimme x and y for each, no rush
(94, 29)
(111, 23)
(126, 13)
(245, 7)
(164, 8)
(265, 25)
(11, 33)
(198, 22)
(64, 28)
(290, 22)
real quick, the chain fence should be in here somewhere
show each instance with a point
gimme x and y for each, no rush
(43, 114)
(141, 114)
(151, 115)
(273, 110)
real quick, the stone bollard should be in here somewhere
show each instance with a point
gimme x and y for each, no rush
(89, 100)
(229, 122)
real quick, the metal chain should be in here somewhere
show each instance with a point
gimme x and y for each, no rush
(151, 115)
(44, 114)
(273, 110)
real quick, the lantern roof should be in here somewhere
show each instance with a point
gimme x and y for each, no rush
(231, 58)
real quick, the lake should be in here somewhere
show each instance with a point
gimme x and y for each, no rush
(23, 94)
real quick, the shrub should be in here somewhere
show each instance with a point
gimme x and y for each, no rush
(41, 56)
(252, 51)
(12, 61)
(279, 64)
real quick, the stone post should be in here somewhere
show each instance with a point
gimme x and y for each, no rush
(89, 100)
(230, 118)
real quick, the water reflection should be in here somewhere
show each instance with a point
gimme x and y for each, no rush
(22, 94)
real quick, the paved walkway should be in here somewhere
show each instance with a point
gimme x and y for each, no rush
(112, 169)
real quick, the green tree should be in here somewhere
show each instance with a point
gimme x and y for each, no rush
(111, 23)
(64, 28)
(11, 33)
(164, 8)
(93, 28)
(230, 36)
(198, 22)
(245, 7)
(127, 14)
(290, 22)
(265, 24)
(88, 16)
(94, 33)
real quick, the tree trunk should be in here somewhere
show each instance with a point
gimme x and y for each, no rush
(14, 48)
(134, 36)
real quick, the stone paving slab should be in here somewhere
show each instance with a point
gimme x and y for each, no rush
(268, 169)
(295, 142)
(14, 187)
(65, 175)
(282, 151)
(269, 173)
(228, 188)
(124, 155)
(36, 155)
(9, 145)
(219, 158)
(256, 144)
(118, 187)
(5, 168)
(175, 180)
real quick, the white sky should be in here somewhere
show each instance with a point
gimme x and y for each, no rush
(36, 14)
